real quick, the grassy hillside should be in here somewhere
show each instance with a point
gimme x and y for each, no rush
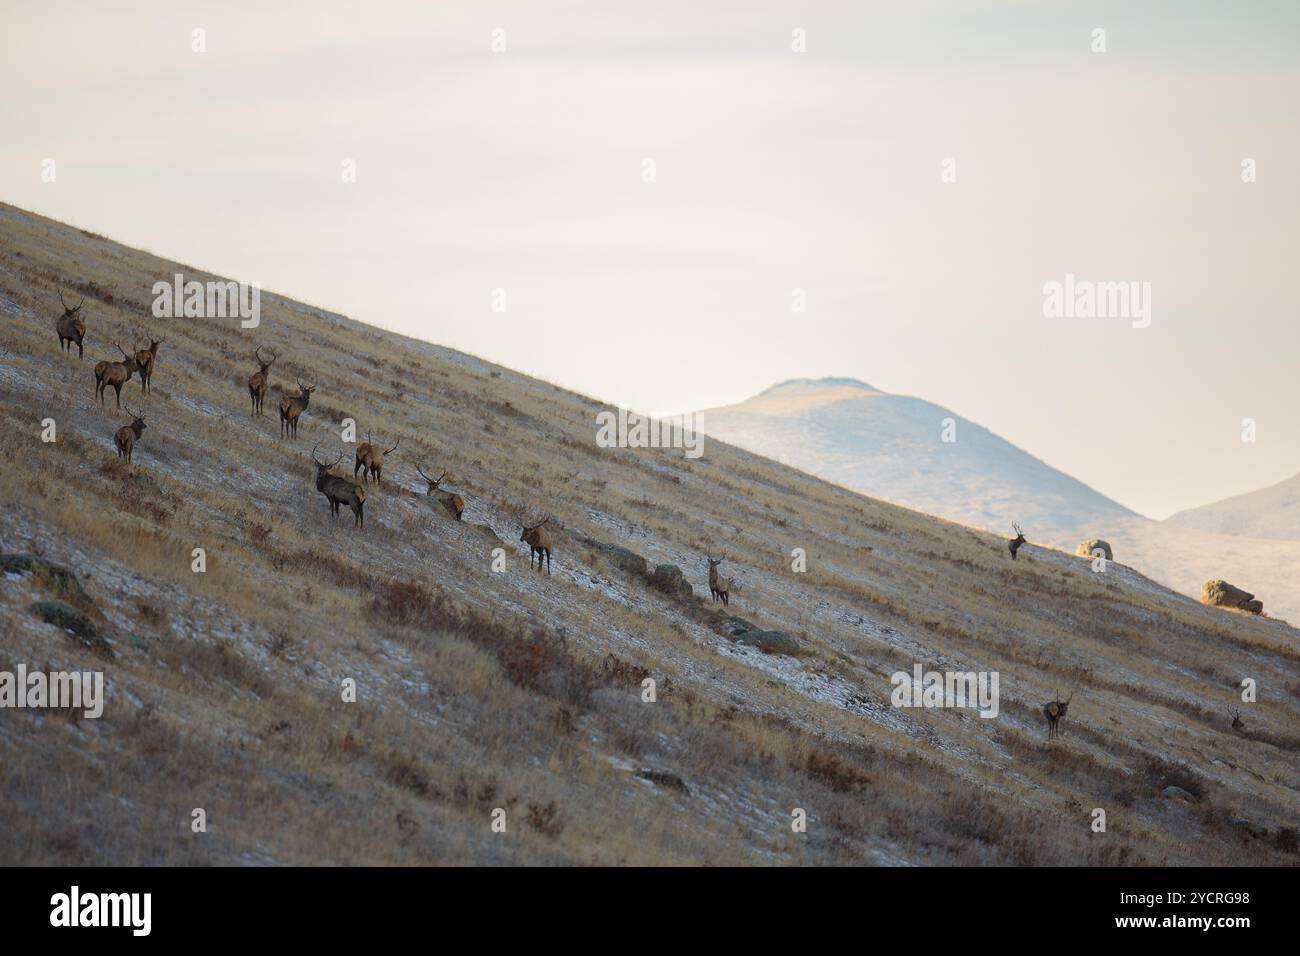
(480, 690)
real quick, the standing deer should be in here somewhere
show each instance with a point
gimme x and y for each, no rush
(116, 374)
(539, 543)
(719, 587)
(144, 359)
(454, 503)
(128, 435)
(340, 491)
(260, 380)
(1237, 723)
(1014, 544)
(1054, 711)
(370, 458)
(71, 326)
(291, 409)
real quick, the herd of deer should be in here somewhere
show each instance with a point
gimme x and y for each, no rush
(369, 460)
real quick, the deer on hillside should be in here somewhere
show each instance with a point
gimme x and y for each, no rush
(370, 459)
(1237, 723)
(128, 435)
(454, 503)
(1054, 711)
(291, 409)
(116, 374)
(719, 587)
(260, 380)
(144, 359)
(340, 491)
(538, 538)
(1014, 544)
(71, 326)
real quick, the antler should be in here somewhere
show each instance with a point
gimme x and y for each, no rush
(65, 305)
(394, 448)
(125, 353)
(534, 527)
(321, 463)
(132, 412)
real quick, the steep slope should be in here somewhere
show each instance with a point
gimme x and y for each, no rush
(481, 689)
(893, 446)
(1272, 512)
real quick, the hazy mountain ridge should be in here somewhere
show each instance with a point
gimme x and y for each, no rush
(891, 447)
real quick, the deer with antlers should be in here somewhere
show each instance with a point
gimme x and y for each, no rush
(454, 503)
(128, 435)
(538, 539)
(719, 587)
(144, 360)
(1054, 711)
(1014, 544)
(116, 374)
(260, 380)
(291, 409)
(71, 326)
(370, 459)
(1237, 723)
(340, 491)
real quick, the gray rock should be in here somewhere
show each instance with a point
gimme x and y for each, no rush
(1254, 829)
(1177, 793)
(669, 579)
(54, 578)
(1086, 548)
(75, 622)
(662, 778)
(770, 642)
(625, 559)
(1222, 594)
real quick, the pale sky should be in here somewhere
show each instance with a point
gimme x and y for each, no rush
(523, 170)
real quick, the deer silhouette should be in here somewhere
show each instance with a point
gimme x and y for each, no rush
(1014, 544)
(1054, 711)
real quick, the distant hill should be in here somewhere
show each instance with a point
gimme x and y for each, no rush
(892, 447)
(1272, 512)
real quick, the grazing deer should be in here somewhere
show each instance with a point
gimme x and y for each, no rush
(370, 458)
(116, 374)
(1054, 711)
(1014, 544)
(719, 586)
(454, 503)
(260, 380)
(71, 326)
(291, 409)
(539, 543)
(340, 491)
(1237, 723)
(144, 359)
(128, 435)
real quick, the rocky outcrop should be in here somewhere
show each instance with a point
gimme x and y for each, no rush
(1222, 594)
(770, 642)
(669, 579)
(1086, 549)
(75, 622)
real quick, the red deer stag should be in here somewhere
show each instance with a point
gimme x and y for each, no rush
(454, 503)
(1054, 711)
(71, 326)
(144, 360)
(539, 543)
(1237, 723)
(128, 435)
(291, 409)
(260, 380)
(719, 586)
(340, 491)
(116, 374)
(370, 459)
(1014, 544)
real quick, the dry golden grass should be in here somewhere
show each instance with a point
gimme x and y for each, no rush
(479, 690)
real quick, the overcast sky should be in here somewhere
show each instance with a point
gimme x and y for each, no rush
(524, 171)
